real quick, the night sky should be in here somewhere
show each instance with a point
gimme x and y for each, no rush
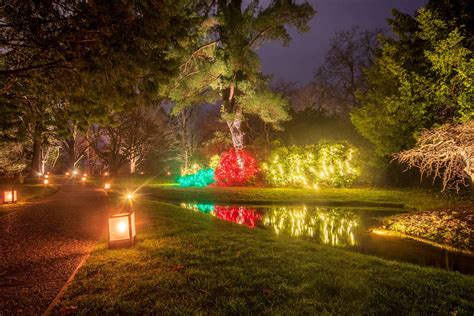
(306, 51)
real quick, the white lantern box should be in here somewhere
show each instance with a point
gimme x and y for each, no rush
(9, 197)
(122, 230)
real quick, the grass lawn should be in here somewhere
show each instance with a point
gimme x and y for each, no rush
(188, 262)
(26, 193)
(166, 190)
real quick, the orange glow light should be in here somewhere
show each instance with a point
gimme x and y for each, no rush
(83, 179)
(107, 186)
(46, 181)
(67, 173)
(122, 229)
(9, 196)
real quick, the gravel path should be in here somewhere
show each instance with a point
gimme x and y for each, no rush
(42, 244)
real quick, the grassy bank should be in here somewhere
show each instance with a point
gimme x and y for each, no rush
(187, 262)
(453, 226)
(166, 190)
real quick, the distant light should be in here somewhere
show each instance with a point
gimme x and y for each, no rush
(45, 181)
(67, 173)
(168, 173)
(107, 186)
(83, 179)
(122, 230)
(379, 232)
(74, 172)
(129, 196)
(46, 176)
(9, 196)
(106, 174)
(39, 174)
(85, 174)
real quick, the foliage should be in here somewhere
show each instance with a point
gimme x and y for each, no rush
(224, 65)
(328, 164)
(192, 169)
(12, 160)
(446, 152)
(453, 226)
(72, 63)
(201, 178)
(236, 167)
(421, 79)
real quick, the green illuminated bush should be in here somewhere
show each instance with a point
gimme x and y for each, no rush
(327, 164)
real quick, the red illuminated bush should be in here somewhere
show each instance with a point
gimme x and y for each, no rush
(236, 167)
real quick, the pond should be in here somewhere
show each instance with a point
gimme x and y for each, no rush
(339, 227)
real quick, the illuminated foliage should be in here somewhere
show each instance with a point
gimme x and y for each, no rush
(190, 170)
(328, 164)
(214, 161)
(236, 167)
(201, 178)
(330, 226)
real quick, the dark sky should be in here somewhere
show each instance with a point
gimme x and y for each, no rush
(306, 51)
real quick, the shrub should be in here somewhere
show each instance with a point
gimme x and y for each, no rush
(327, 164)
(201, 178)
(236, 167)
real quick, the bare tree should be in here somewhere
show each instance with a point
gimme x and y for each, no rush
(446, 152)
(349, 53)
(129, 137)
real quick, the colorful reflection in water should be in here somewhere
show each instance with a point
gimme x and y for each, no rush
(238, 214)
(328, 226)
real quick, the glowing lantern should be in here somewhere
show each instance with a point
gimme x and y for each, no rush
(84, 179)
(9, 196)
(122, 229)
(46, 176)
(67, 173)
(85, 174)
(45, 181)
(107, 186)
(74, 172)
(106, 174)
(129, 196)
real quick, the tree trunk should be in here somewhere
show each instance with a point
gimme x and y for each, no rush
(236, 132)
(133, 165)
(36, 160)
(71, 153)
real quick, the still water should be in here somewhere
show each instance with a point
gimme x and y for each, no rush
(339, 227)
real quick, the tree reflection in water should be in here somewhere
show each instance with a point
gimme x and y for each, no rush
(327, 225)
(331, 226)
